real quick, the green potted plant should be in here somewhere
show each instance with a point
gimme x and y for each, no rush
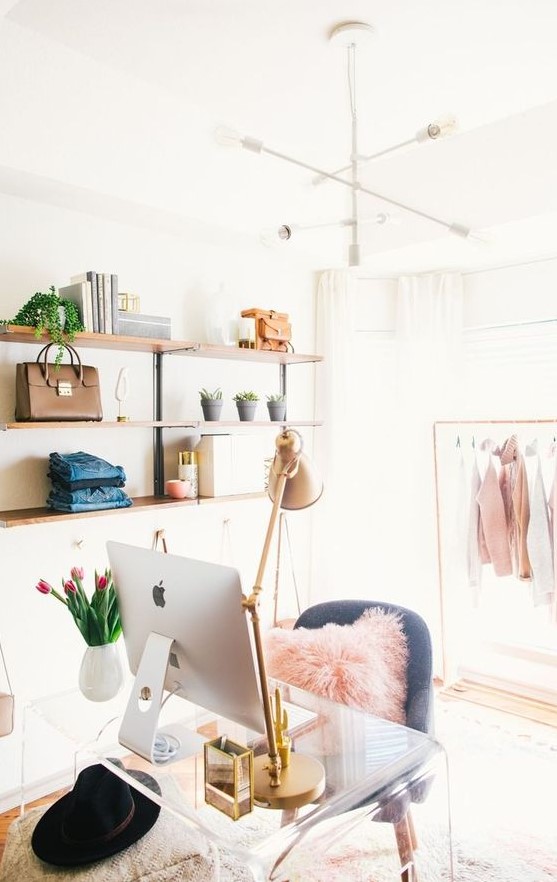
(276, 405)
(246, 402)
(52, 313)
(211, 404)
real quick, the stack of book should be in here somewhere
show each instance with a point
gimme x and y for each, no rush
(96, 297)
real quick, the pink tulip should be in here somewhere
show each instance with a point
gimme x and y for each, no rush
(78, 573)
(44, 587)
(69, 587)
(102, 582)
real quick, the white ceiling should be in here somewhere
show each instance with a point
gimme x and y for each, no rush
(268, 69)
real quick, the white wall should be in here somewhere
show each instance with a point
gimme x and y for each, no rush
(174, 275)
(99, 171)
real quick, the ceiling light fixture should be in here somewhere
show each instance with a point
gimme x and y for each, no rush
(440, 128)
(285, 231)
(350, 35)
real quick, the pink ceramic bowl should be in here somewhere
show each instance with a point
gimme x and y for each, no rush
(178, 489)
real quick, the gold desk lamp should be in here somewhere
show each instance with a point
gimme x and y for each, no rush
(293, 484)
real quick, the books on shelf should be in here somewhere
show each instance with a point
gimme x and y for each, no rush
(80, 294)
(136, 324)
(102, 301)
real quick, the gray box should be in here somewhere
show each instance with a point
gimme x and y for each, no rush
(135, 324)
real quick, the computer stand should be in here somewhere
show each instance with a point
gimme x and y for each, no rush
(139, 729)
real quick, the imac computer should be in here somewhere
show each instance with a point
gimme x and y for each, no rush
(185, 632)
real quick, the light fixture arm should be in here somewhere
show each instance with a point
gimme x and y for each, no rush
(460, 229)
(439, 128)
(339, 171)
(354, 249)
(350, 33)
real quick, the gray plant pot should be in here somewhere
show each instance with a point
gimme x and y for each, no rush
(277, 411)
(246, 410)
(211, 409)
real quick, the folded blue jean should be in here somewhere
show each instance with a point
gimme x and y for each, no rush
(82, 466)
(88, 499)
(86, 482)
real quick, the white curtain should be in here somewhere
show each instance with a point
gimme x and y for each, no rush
(334, 338)
(429, 344)
(429, 340)
(375, 526)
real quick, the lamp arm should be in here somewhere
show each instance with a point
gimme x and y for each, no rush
(251, 604)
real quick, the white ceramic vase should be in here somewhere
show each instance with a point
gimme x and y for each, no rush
(101, 675)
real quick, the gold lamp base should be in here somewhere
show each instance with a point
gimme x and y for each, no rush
(302, 782)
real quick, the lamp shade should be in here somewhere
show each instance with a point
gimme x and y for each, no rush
(304, 485)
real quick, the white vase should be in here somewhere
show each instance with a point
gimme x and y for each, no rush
(221, 321)
(101, 675)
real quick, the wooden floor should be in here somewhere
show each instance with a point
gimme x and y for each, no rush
(527, 708)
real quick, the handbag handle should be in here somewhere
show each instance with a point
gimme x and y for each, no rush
(78, 367)
(6, 670)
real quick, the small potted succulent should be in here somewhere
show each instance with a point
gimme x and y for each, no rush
(276, 405)
(246, 402)
(211, 404)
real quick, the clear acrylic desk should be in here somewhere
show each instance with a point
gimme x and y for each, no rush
(387, 766)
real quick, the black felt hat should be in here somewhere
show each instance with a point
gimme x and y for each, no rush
(101, 816)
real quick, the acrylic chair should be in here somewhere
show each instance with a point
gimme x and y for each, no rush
(419, 700)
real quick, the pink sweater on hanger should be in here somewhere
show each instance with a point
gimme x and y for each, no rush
(494, 522)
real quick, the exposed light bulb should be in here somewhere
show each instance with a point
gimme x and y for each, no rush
(480, 239)
(231, 138)
(382, 218)
(441, 127)
(228, 137)
(466, 233)
(276, 235)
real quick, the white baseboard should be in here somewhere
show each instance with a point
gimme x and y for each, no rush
(513, 685)
(11, 799)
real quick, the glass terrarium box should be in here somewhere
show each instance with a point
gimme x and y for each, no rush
(229, 777)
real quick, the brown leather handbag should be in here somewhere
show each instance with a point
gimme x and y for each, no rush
(272, 329)
(46, 393)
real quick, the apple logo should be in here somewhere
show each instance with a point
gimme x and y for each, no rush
(158, 595)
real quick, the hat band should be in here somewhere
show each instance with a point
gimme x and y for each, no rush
(106, 837)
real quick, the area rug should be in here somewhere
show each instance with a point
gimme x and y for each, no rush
(503, 781)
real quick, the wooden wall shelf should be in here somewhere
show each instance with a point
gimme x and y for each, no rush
(17, 334)
(163, 424)
(25, 516)
(158, 348)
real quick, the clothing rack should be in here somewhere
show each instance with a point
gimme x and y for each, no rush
(443, 601)
(512, 422)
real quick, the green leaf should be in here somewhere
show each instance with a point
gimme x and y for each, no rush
(96, 630)
(42, 312)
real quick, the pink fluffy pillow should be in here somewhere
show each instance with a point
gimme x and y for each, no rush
(362, 665)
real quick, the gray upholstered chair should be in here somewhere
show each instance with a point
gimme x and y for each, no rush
(419, 700)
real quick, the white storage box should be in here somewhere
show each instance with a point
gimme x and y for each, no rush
(230, 464)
